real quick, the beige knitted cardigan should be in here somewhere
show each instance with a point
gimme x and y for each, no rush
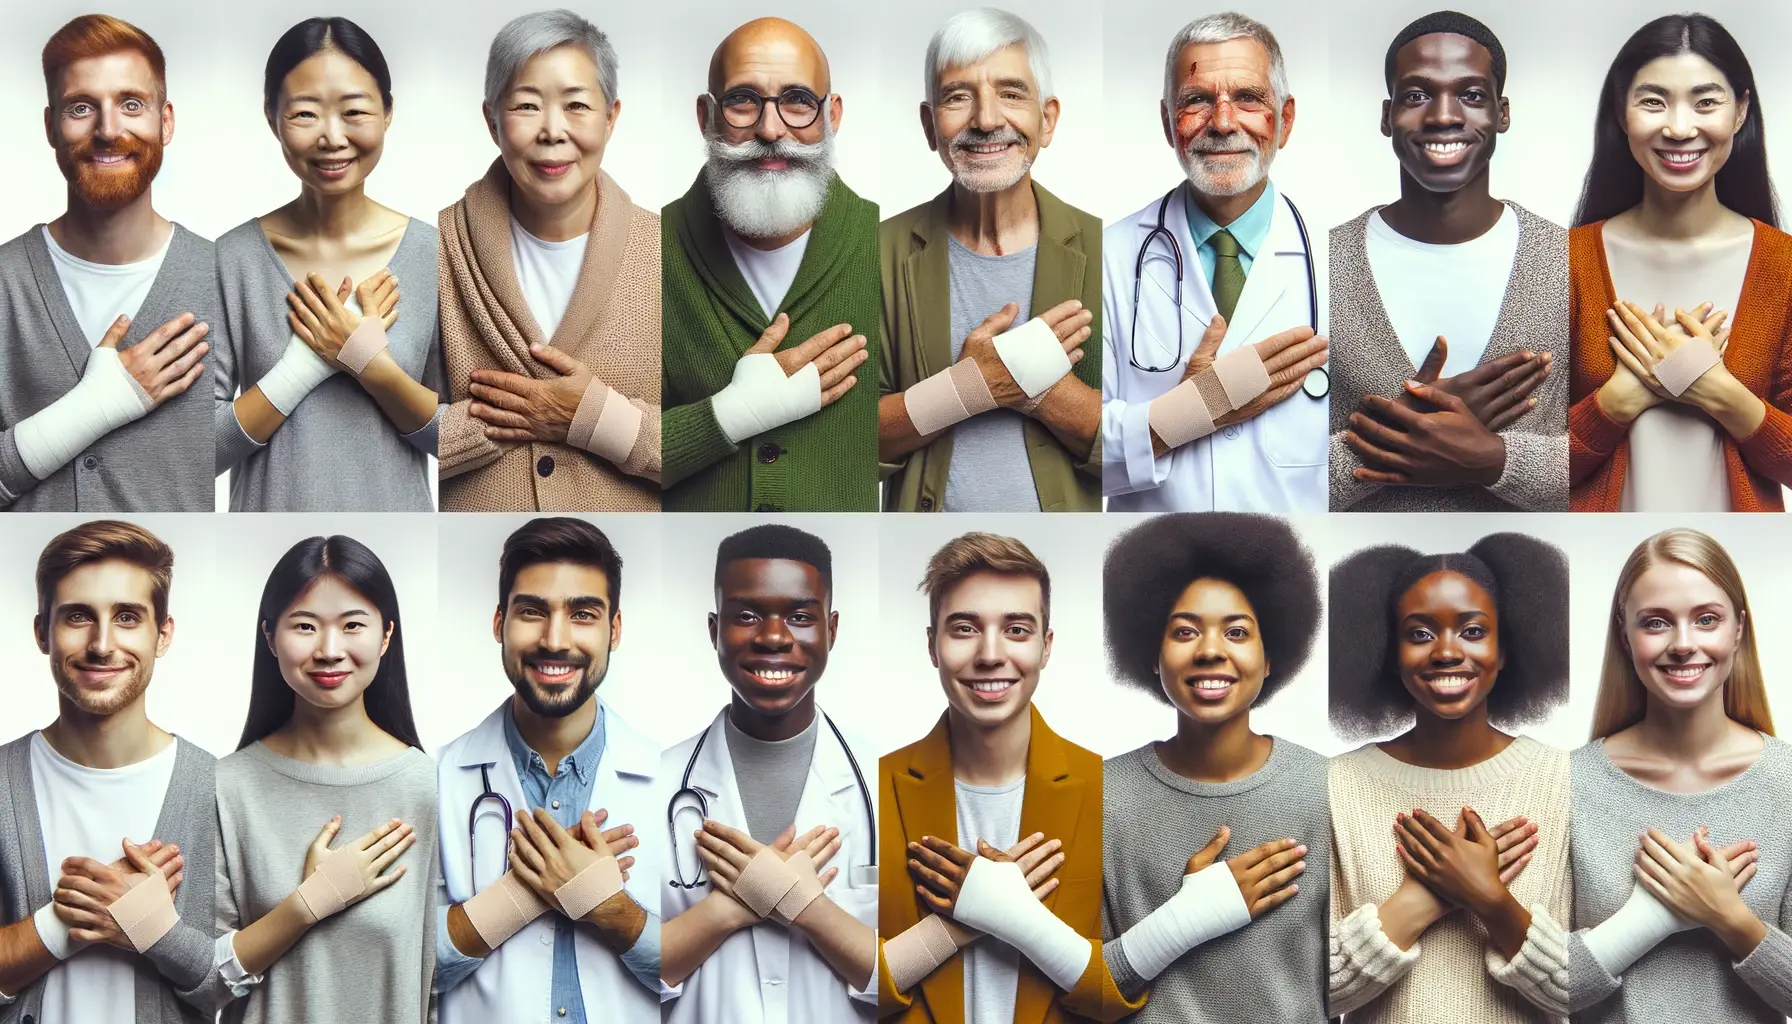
(612, 325)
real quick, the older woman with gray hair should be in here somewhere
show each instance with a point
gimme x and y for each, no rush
(550, 293)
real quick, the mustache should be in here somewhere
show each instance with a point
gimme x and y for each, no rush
(1231, 142)
(542, 654)
(801, 154)
(100, 666)
(128, 145)
(978, 137)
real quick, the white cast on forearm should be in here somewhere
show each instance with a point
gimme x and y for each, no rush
(996, 899)
(1207, 906)
(107, 398)
(1638, 926)
(762, 398)
(298, 372)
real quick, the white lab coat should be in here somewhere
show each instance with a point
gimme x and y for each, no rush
(1275, 462)
(515, 983)
(767, 974)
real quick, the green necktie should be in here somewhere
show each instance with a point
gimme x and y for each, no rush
(1228, 273)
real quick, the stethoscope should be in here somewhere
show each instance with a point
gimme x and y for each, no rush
(685, 790)
(488, 793)
(1318, 381)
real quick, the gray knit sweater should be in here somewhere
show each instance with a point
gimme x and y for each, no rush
(1367, 359)
(1690, 976)
(160, 463)
(173, 971)
(1153, 820)
(337, 452)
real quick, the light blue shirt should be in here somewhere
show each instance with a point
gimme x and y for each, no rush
(1251, 229)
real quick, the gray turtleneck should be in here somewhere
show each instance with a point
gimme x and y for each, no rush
(770, 776)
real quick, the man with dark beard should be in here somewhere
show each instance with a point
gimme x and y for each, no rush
(961, 275)
(770, 298)
(104, 310)
(90, 935)
(566, 762)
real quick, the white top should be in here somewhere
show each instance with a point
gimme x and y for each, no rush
(769, 272)
(86, 812)
(548, 273)
(1676, 450)
(991, 967)
(100, 293)
(1449, 290)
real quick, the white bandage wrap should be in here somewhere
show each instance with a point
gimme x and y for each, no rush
(996, 899)
(766, 881)
(1207, 906)
(145, 912)
(298, 371)
(918, 952)
(53, 932)
(367, 340)
(1190, 409)
(762, 398)
(1033, 356)
(588, 889)
(950, 396)
(501, 910)
(335, 884)
(1637, 927)
(106, 398)
(1685, 365)
(806, 890)
(605, 424)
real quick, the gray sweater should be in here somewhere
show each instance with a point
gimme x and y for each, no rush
(337, 452)
(1689, 976)
(1153, 820)
(159, 463)
(374, 961)
(1367, 359)
(170, 976)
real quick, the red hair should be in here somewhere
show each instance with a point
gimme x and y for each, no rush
(99, 35)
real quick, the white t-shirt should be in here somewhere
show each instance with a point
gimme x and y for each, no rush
(769, 272)
(991, 967)
(86, 812)
(548, 273)
(100, 293)
(1449, 290)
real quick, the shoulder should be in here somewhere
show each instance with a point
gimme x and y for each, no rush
(186, 245)
(1131, 763)
(423, 231)
(1354, 228)
(1774, 243)
(892, 763)
(17, 246)
(236, 250)
(191, 755)
(1298, 757)
(673, 758)
(1538, 228)
(1542, 756)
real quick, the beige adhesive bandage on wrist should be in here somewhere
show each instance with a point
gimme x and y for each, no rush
(950, 396)
(587, 890)
(1189, 410)
(918, 952)
(605, 424)
(766, 880)
(336, 882)
(501, 910)
(806, 890)
(1685, 365)
(367, 340)
(145, 912)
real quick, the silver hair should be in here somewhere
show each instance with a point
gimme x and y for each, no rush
(969, 36)
(1220, 28)
(531, 34)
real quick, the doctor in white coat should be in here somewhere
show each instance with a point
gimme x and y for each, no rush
(1226, 113)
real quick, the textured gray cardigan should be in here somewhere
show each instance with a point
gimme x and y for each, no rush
(175, 968)
(160, 463)
(1367, 359)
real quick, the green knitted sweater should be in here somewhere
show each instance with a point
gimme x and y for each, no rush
(709, 317)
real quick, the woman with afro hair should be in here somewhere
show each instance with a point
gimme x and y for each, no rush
(1212, 613)
(1451, 652)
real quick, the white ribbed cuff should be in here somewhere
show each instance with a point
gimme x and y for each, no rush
(1540, 970)
(52, 931)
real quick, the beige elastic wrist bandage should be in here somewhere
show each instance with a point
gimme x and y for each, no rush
(336, 882)
(605, 424)
(501, 910)
(1189, 410)
(587, 890)
(367, 340)
(918, 952)
(803, 893)
(1685, 365)
(145, 912)
(766, 880)
(953, 395)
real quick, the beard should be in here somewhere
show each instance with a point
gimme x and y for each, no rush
(555, 705)
(1209, 183)
(103, 703)
(758, 203)
(105, 188)
(987, 179)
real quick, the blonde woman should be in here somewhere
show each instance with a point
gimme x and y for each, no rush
(1687, 923)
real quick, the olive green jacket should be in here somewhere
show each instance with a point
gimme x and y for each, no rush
(917, 344)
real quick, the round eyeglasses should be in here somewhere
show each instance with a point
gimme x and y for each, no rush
(743, 107)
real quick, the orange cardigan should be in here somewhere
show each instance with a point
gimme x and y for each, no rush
(1063, 800)
(1758, 356)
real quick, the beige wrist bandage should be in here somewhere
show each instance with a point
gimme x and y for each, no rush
(605, 423)
(145, 912)
(953, 395)
(803, 893)
(588, 889)
(367, 340)
(501, 910)
(1188, 410)
(1685, 365)
(918, 952)
(766, 880)
(336, 882)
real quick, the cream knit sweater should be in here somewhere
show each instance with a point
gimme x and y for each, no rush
(1450, 974)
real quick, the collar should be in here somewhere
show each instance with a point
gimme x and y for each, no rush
(583, 759)
(1057, 221)
(1251, 228)
(627, 751)
(1046, 755)
(715, 767)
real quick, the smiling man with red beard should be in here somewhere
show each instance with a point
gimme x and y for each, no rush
(105, 311)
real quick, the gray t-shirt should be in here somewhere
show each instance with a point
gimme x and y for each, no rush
(770, 776)
(990, 471)
(991, 967)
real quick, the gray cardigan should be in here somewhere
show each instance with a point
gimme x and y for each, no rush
(337, 452)
(175, 968)
(159, 463)
(1367, 359)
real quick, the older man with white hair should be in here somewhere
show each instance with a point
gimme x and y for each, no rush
(989, 394)
(1213, 386)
